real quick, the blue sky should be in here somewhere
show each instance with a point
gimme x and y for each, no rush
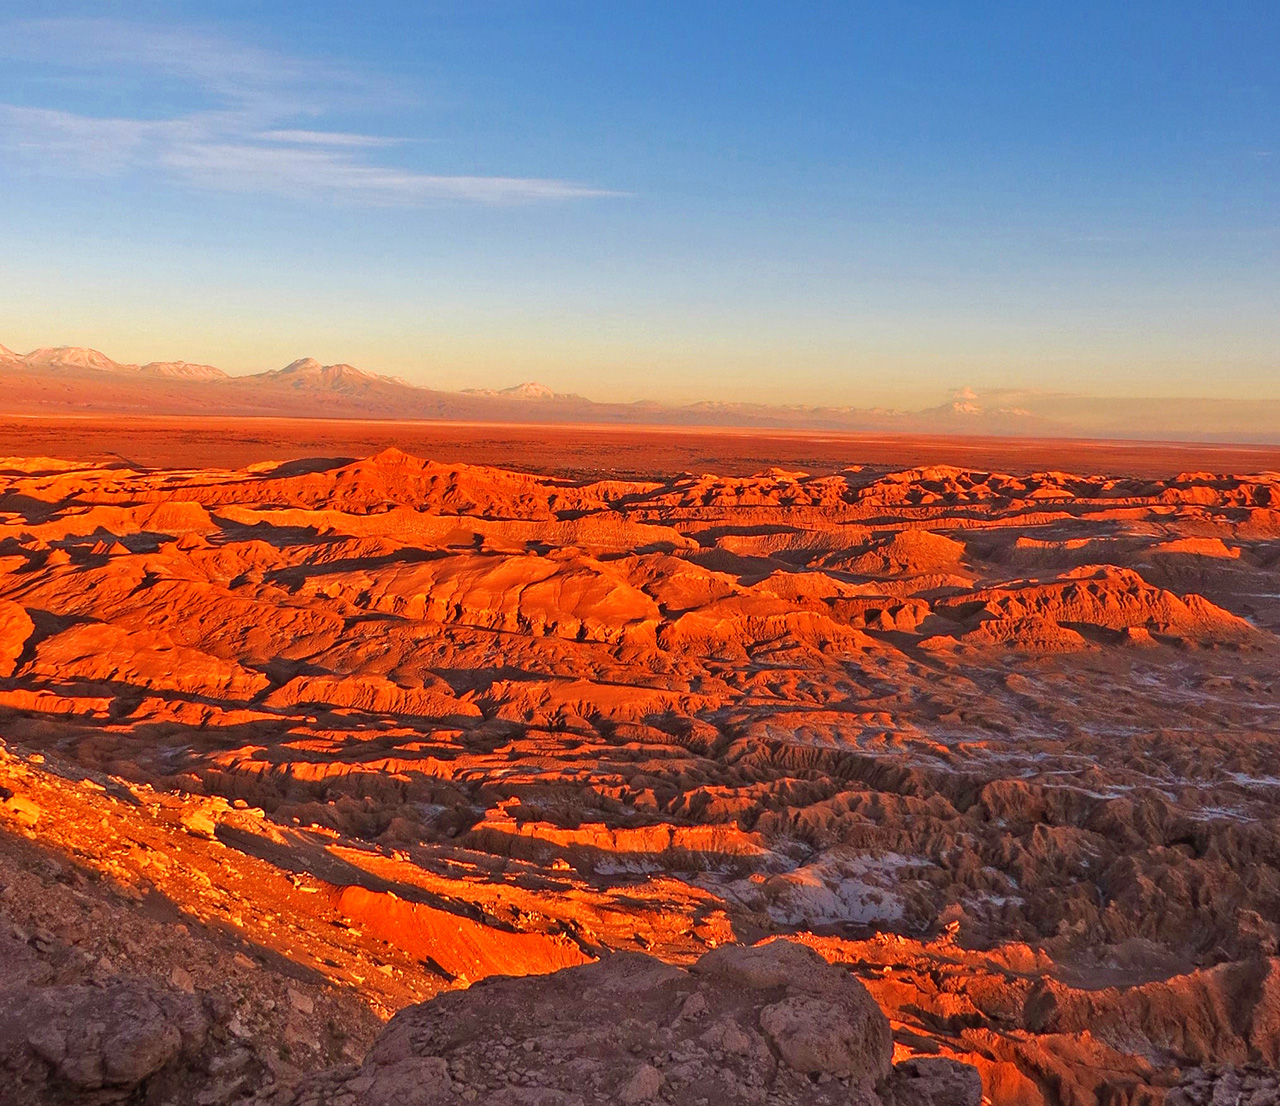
(835, 203)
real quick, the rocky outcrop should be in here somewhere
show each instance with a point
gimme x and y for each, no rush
(15, 628)
(771, 1024)
(1095, 599)
(56, 1041)
(75, 1042)
(1246, 1086)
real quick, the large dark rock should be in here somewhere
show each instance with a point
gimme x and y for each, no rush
(772, 1024)
(59, 1043)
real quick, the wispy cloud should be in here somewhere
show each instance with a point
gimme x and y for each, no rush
(326, 138)
(294, 171)
(256, 129)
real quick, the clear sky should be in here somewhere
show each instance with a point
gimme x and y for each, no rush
(839, 203)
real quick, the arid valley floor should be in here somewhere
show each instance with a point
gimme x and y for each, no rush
(292, 741)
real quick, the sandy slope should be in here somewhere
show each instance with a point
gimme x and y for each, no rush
(1004, 744)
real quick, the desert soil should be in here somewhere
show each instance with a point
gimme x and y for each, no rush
(592, 451)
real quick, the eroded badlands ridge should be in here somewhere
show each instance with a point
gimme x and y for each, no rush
(1004, 744)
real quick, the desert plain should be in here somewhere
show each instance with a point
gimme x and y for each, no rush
(307, 722)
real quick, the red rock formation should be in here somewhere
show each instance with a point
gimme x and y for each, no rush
(1004, 744)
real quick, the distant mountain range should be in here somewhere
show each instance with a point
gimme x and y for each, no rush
(73, 380)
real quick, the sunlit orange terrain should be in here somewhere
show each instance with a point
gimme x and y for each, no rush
(1007, 746)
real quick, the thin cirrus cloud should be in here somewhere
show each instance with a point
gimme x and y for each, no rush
(245, 138)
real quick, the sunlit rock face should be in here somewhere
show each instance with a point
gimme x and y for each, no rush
(1004, 744)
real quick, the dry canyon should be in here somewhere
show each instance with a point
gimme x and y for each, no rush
(292, 746)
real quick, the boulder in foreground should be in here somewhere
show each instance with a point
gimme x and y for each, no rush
(97, 1045)
(770, 1024)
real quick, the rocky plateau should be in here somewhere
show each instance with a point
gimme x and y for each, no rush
(876, 785)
